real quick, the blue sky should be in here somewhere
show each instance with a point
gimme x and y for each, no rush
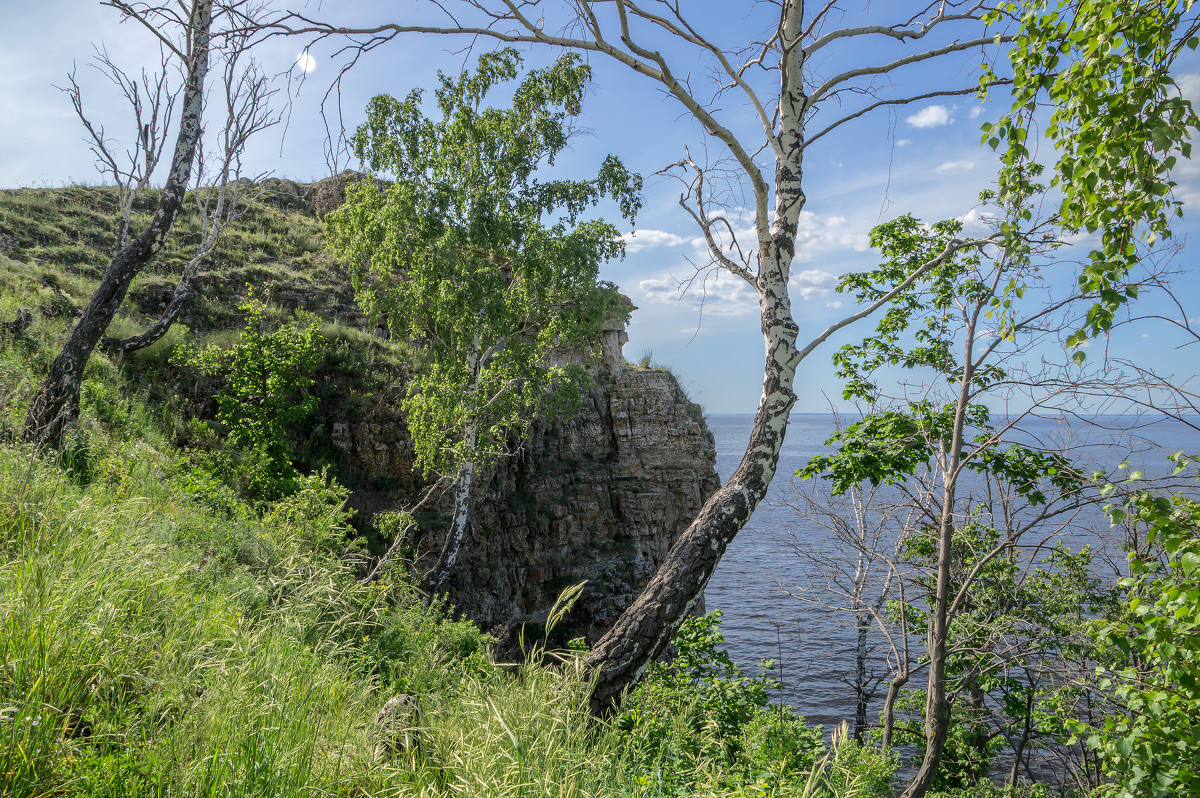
(923, 158)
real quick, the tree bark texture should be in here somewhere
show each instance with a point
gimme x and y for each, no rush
(862, 691)
(179, 300)
(642, 632)
(434, 580)
(937, 700)
(56, 404)
(889, 707)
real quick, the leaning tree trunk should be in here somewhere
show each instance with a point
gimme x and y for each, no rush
(889, 706)
(621, 656)
(433, 581)
(56, 404)
(642, 632)
(179, 300)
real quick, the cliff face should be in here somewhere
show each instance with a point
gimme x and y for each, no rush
(600, 496)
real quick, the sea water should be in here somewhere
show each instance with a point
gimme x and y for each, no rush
(815, 646)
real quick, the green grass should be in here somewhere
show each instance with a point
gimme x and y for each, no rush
(275, 250)
(163, 635)
(129, 659)
(152, 648)
(67, 234)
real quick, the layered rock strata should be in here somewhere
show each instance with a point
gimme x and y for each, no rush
(600, 496)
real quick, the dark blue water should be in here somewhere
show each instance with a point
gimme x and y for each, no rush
(815, 644)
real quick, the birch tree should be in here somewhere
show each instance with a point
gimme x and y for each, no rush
(859, 573)
(793, 106)
(776, 96)
(221, 191)
(56, 404)
(483, 263)
(189, 32)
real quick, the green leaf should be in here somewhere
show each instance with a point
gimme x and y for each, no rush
(475, 250)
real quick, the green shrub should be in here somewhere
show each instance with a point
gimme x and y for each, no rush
(780, 742)
(202, 484)
(701, 683)
(699, 726)
(267, 374)
(424, 650)
(315, 514)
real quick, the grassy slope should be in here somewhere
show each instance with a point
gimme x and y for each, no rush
(61, 239)
(161, 636)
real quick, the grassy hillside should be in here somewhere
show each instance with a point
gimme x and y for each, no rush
(166, 631)
(53, 247)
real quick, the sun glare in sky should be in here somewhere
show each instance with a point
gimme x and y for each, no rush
(306, 62)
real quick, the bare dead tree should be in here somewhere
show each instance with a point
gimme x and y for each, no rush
(189, 31)
(56, 404)
(222, 198)
(151, 102)
(859, 571)
(778, 82)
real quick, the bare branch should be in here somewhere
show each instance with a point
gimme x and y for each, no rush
(223, 197)
(898, 101)
(902, 32)
(883, 69)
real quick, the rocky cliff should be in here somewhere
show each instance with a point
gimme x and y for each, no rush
(600, 496)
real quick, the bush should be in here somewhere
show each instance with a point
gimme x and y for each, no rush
(315, 514)
(701, 686)
(266, 374)
(1150, 742)
(424, 650)
(699, 725)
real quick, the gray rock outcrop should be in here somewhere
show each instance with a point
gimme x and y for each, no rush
(599, 496)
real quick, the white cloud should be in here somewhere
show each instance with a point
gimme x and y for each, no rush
(933, 116)
(954, 166)
(903, 142)
(639, 240)
(812, 282)
(823, 234)
(976, 111)
(1187, 172)
(716, 292)
(815, 235)
(833, 303)
(974, 224)
(1189, 86)
(719, 293)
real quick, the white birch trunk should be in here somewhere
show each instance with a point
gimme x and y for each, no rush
(433, 581)
(56, 404)
(642, 632)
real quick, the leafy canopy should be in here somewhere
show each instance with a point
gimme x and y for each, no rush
(1152, 747)
(1118, 124)
(469, 251)
(924, 330)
